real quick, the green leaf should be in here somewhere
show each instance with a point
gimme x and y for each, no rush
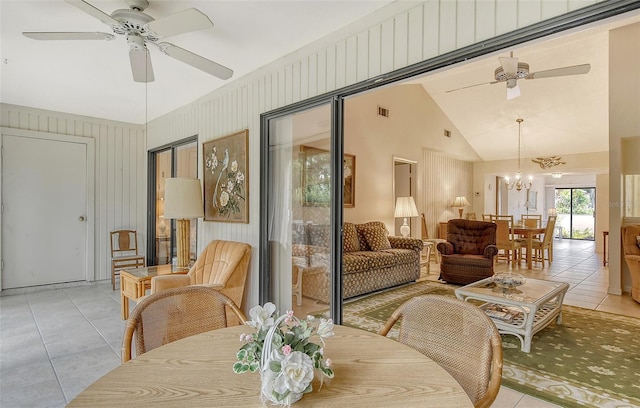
(240, 368)
(241, 355)
(253, 367)
(275, 366)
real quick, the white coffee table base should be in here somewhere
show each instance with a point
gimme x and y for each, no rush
(539, 303)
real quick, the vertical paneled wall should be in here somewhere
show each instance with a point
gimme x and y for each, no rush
(445, 178)
(396, 40)
(120, 170)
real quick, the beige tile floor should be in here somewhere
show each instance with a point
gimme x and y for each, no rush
(55, 342)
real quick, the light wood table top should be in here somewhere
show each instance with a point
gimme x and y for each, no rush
(370, 371)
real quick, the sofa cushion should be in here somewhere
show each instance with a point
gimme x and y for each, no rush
(364, 245)
(376, 238)
(355, 262)
(350, 238)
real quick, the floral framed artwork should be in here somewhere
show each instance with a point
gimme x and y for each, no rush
(316, 177)
(226, 182)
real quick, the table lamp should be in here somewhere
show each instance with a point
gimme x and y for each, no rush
(459, 203)
(405, 207)
(183, 201)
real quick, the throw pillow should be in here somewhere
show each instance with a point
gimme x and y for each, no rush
(350, 238)
(376, 238)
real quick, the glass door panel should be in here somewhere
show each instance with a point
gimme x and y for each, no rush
(299, 211)
(176, 160)
(576, 212)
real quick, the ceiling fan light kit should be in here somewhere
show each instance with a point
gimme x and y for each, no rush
(141, 29)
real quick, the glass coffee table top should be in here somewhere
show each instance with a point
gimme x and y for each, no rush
(151, 271)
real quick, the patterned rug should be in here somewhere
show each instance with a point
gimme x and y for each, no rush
(591, 360)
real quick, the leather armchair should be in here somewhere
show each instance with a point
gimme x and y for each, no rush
(631, 247)
(468, 253)
(222, 265)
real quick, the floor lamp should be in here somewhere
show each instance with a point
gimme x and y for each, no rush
(183, 201)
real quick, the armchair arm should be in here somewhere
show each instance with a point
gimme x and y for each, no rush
(445, 248)
(406, 243)
(164, 282)
(490, 251)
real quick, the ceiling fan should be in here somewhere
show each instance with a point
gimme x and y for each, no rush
(141, 29)
(510, 70)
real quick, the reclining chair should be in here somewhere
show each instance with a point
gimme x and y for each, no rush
(468, 253)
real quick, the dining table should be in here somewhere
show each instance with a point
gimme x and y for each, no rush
(528, 233)
(370, 371)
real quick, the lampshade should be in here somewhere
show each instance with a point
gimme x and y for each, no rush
(183, 198)
(460, 202)
(552, 211)
(405, 207)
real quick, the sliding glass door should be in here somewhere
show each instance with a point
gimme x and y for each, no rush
(301, 269)
(178, 159)
(576, 209)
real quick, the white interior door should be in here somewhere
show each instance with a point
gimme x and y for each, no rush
(44, 197)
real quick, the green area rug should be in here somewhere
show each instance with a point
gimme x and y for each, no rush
(591, 360)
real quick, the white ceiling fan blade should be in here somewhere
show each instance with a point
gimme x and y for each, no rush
(141, 65)
(471, 86)
(509, 64)
(513, 92)
(196, 61)
(572, 70)
(68, 36)
(95, 12)
(178, 23)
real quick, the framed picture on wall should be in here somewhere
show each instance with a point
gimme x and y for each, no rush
(226, 182)
(532, 200)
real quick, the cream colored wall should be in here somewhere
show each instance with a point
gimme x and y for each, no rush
(624, 122)
(399, 35)
(120, 183)
(414, 122)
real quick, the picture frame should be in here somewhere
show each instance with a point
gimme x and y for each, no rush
(532, 200)
(315, 177)
(225, 165)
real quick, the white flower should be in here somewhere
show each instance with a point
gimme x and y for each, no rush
(224, 198)
(230, 186)
(234, 166)
(296, 373)
(325, 329)
(262, 317)
(239, 178)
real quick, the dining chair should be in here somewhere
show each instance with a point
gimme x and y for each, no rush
(545, 244)
(174, 314)
(505, 240)
(124, 253)
(486, 217)
(531, 220)
(471, 216)
(459, 337)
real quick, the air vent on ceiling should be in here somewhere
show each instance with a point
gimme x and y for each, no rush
(383, 112)
(447, 133)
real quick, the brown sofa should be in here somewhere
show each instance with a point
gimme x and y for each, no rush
(631, 246)
(372, 260)
(468, 254)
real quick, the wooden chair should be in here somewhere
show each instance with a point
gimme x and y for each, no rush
(531, 220)
(471, 216)
(459, 337)
(505, 240)
(486, 217)
(124, 253)
(222, 265)
(546, 244)
(174, 314)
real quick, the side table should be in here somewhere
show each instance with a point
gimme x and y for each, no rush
(134, 282)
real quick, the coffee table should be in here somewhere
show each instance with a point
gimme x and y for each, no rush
(134, 282)
(522, 311)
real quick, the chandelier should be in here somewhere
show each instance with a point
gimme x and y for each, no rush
(518, 184)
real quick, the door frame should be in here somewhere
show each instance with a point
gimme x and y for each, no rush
(90, 267)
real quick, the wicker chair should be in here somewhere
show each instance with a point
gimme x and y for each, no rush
(459, 337)
(631, 247)
(173, 314)
(222, 265)
(467, 255)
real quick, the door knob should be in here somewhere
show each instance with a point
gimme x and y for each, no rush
(81, 218)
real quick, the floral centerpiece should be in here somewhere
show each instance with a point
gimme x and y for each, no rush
(283, 352)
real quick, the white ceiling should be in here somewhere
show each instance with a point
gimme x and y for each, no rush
(94, 78)
(565, 115)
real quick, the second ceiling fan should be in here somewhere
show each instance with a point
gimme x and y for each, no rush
(140, 29)
(510, 71)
